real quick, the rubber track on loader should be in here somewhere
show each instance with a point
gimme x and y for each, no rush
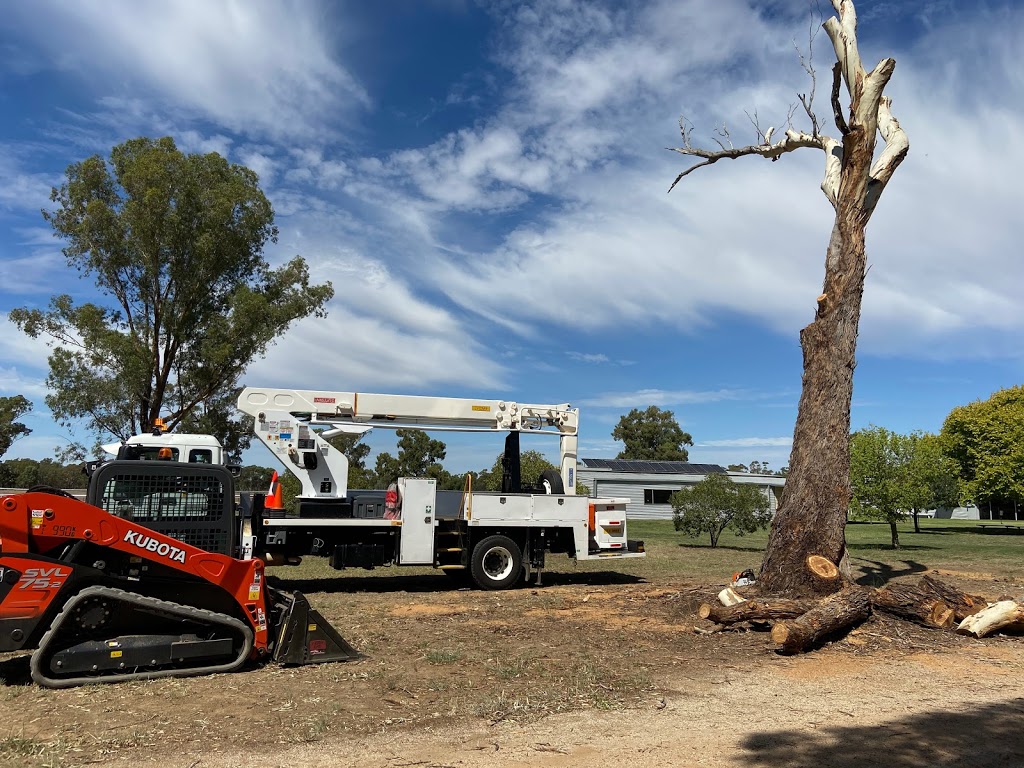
(41, 657)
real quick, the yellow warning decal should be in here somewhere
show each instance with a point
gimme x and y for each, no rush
(254, 594)
(481, 408)
(311, 628)
(115, 654)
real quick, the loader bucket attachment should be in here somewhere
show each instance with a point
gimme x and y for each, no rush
(306, 637)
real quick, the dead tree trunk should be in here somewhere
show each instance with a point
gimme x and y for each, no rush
(834, 613)
(812, 516)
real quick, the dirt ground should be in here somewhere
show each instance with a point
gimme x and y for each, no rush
(591, 667)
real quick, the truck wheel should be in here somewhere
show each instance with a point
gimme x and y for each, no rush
(551, 481)
(497, 563)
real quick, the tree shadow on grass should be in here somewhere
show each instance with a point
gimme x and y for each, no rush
(888, 547)
(877, 574)
(440, 582)
(994, 530)
(723, 546)
(985, 737)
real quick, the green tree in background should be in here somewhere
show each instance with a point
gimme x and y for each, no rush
(419, 455)
(356, 451)
(12, 409)
(932, 480)
(878, 460)
(894, 475)
(985, 439)
(175, 244)
(531, 464)
(652, 435)
(717, 503)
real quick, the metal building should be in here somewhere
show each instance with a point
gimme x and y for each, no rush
(649, 484)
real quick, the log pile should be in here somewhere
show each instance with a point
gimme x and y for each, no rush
(798, 625)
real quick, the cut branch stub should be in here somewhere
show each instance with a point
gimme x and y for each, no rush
(823, 569)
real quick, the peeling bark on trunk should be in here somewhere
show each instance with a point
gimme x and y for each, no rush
(812, 516)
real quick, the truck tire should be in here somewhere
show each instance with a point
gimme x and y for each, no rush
(497, 563)
(552, 479)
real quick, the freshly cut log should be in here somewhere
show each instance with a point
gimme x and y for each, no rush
(843, 609)
(755, 610)
(1006, 614)
(913, 603)
(963, 604)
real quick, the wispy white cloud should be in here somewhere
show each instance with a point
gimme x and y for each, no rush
(747, 442)
(646, 397)
(263, 68)
(584, 357)
(377, 334)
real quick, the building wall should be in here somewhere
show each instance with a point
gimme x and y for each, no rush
(632, 486)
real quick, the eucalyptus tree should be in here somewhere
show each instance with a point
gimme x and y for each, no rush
(186, 299)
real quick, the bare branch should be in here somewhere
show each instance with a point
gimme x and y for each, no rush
(837, 107)
(808, 66)
(792, 141)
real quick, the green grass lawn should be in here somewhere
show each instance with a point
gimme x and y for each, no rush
(956, 545)
(960, 545)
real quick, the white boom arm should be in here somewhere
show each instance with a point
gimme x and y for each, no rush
(285, 419)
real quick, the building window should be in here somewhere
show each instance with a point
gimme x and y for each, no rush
(657, 495)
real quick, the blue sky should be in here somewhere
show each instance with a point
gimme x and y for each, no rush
(485, 185)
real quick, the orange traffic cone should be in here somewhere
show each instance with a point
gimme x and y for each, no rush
(273, 499)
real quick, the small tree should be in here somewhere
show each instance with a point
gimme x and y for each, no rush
(652, 435)
(12, 409)
(932, 477)
(717, 503)
(878, 477)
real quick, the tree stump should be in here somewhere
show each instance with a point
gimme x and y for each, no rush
(1006, 614)
(913, 603)
(755, 610)
(824, 573)
(839, 611)
(963, 604)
